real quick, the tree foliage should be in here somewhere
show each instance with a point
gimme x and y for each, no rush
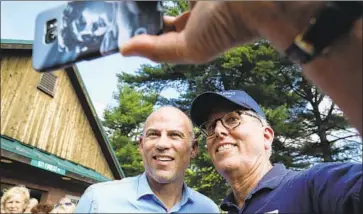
(304, 130)
(308, 127)
(124, 125)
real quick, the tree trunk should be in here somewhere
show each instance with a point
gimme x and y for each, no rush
(327, 153)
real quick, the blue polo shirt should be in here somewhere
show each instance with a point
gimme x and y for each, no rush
(324, 188)
(134, 195)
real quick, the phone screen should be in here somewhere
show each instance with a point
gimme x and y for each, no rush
(86, 26)
(84, 30)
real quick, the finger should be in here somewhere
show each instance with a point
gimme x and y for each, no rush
(176, 23)
(169, 47)
(181, 21)
(169, 20)
(169, 24)
(192, 4)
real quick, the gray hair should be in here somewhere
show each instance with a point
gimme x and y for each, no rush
(262, 119)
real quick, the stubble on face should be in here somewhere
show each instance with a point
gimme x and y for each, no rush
(174, 128)
(248, 145)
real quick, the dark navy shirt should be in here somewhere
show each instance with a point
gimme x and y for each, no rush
(324, 188)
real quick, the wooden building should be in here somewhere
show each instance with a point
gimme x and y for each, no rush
(51, 138)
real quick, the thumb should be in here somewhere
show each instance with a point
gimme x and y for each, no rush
(168, 47)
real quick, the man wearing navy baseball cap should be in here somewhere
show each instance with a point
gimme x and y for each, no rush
(239, 142)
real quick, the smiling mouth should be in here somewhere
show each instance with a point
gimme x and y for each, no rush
(163, 158)
(225, 147)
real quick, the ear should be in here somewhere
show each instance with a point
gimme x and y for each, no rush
(195, 149)
(140, 143)
(268, 136)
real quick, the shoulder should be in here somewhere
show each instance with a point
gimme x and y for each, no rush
(124, 184)
(203, 200)
(318, 176)
(334, 170)
(324, 170)
(105, 194)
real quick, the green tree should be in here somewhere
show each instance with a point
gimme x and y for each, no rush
(305, 132)
(174, 8)
(241, 68)
(124, 124)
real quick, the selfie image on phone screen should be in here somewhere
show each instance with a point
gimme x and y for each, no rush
(104, 25)
(90, 29)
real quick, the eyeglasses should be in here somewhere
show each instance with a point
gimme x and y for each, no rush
(66, 204)
(229, 121)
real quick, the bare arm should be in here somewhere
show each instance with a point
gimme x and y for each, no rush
(337, 73)
(228, 24)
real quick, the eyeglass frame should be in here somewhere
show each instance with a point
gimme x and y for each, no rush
(66, 204)
(239, 112)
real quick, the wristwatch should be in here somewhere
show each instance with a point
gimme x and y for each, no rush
(332, 21)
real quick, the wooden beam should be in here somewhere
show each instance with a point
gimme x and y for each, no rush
(16, 46)
(19, 158)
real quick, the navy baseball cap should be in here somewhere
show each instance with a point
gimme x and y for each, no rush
(203, 104)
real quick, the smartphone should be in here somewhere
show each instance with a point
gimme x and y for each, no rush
(85, 30)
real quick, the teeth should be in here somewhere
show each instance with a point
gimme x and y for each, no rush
(163, 158)
(224, 147)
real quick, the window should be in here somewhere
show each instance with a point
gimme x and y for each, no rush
(47, 83)
(34, 193)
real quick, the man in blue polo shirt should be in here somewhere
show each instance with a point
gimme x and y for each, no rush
(239, 140)
(166, 148)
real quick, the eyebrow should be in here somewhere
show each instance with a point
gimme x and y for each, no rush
(151, 130)
(177, 131)
(168, 131)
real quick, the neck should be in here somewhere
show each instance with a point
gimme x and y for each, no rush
(168, 193)
(243, 182)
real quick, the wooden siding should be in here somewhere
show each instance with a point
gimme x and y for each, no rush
(57, 125)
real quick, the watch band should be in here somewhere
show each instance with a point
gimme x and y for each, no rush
(333, 21)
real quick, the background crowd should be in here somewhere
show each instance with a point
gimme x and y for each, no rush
(17, 200)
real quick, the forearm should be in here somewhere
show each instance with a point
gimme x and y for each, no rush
(339, 75)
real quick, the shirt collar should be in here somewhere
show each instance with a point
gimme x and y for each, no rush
(143, 189)
(187, 193)
(270, 180)
(228, 202)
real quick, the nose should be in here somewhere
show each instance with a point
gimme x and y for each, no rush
(220, 130)
(163, 143)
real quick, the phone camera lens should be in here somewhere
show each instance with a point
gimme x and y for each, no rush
(51, 33)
